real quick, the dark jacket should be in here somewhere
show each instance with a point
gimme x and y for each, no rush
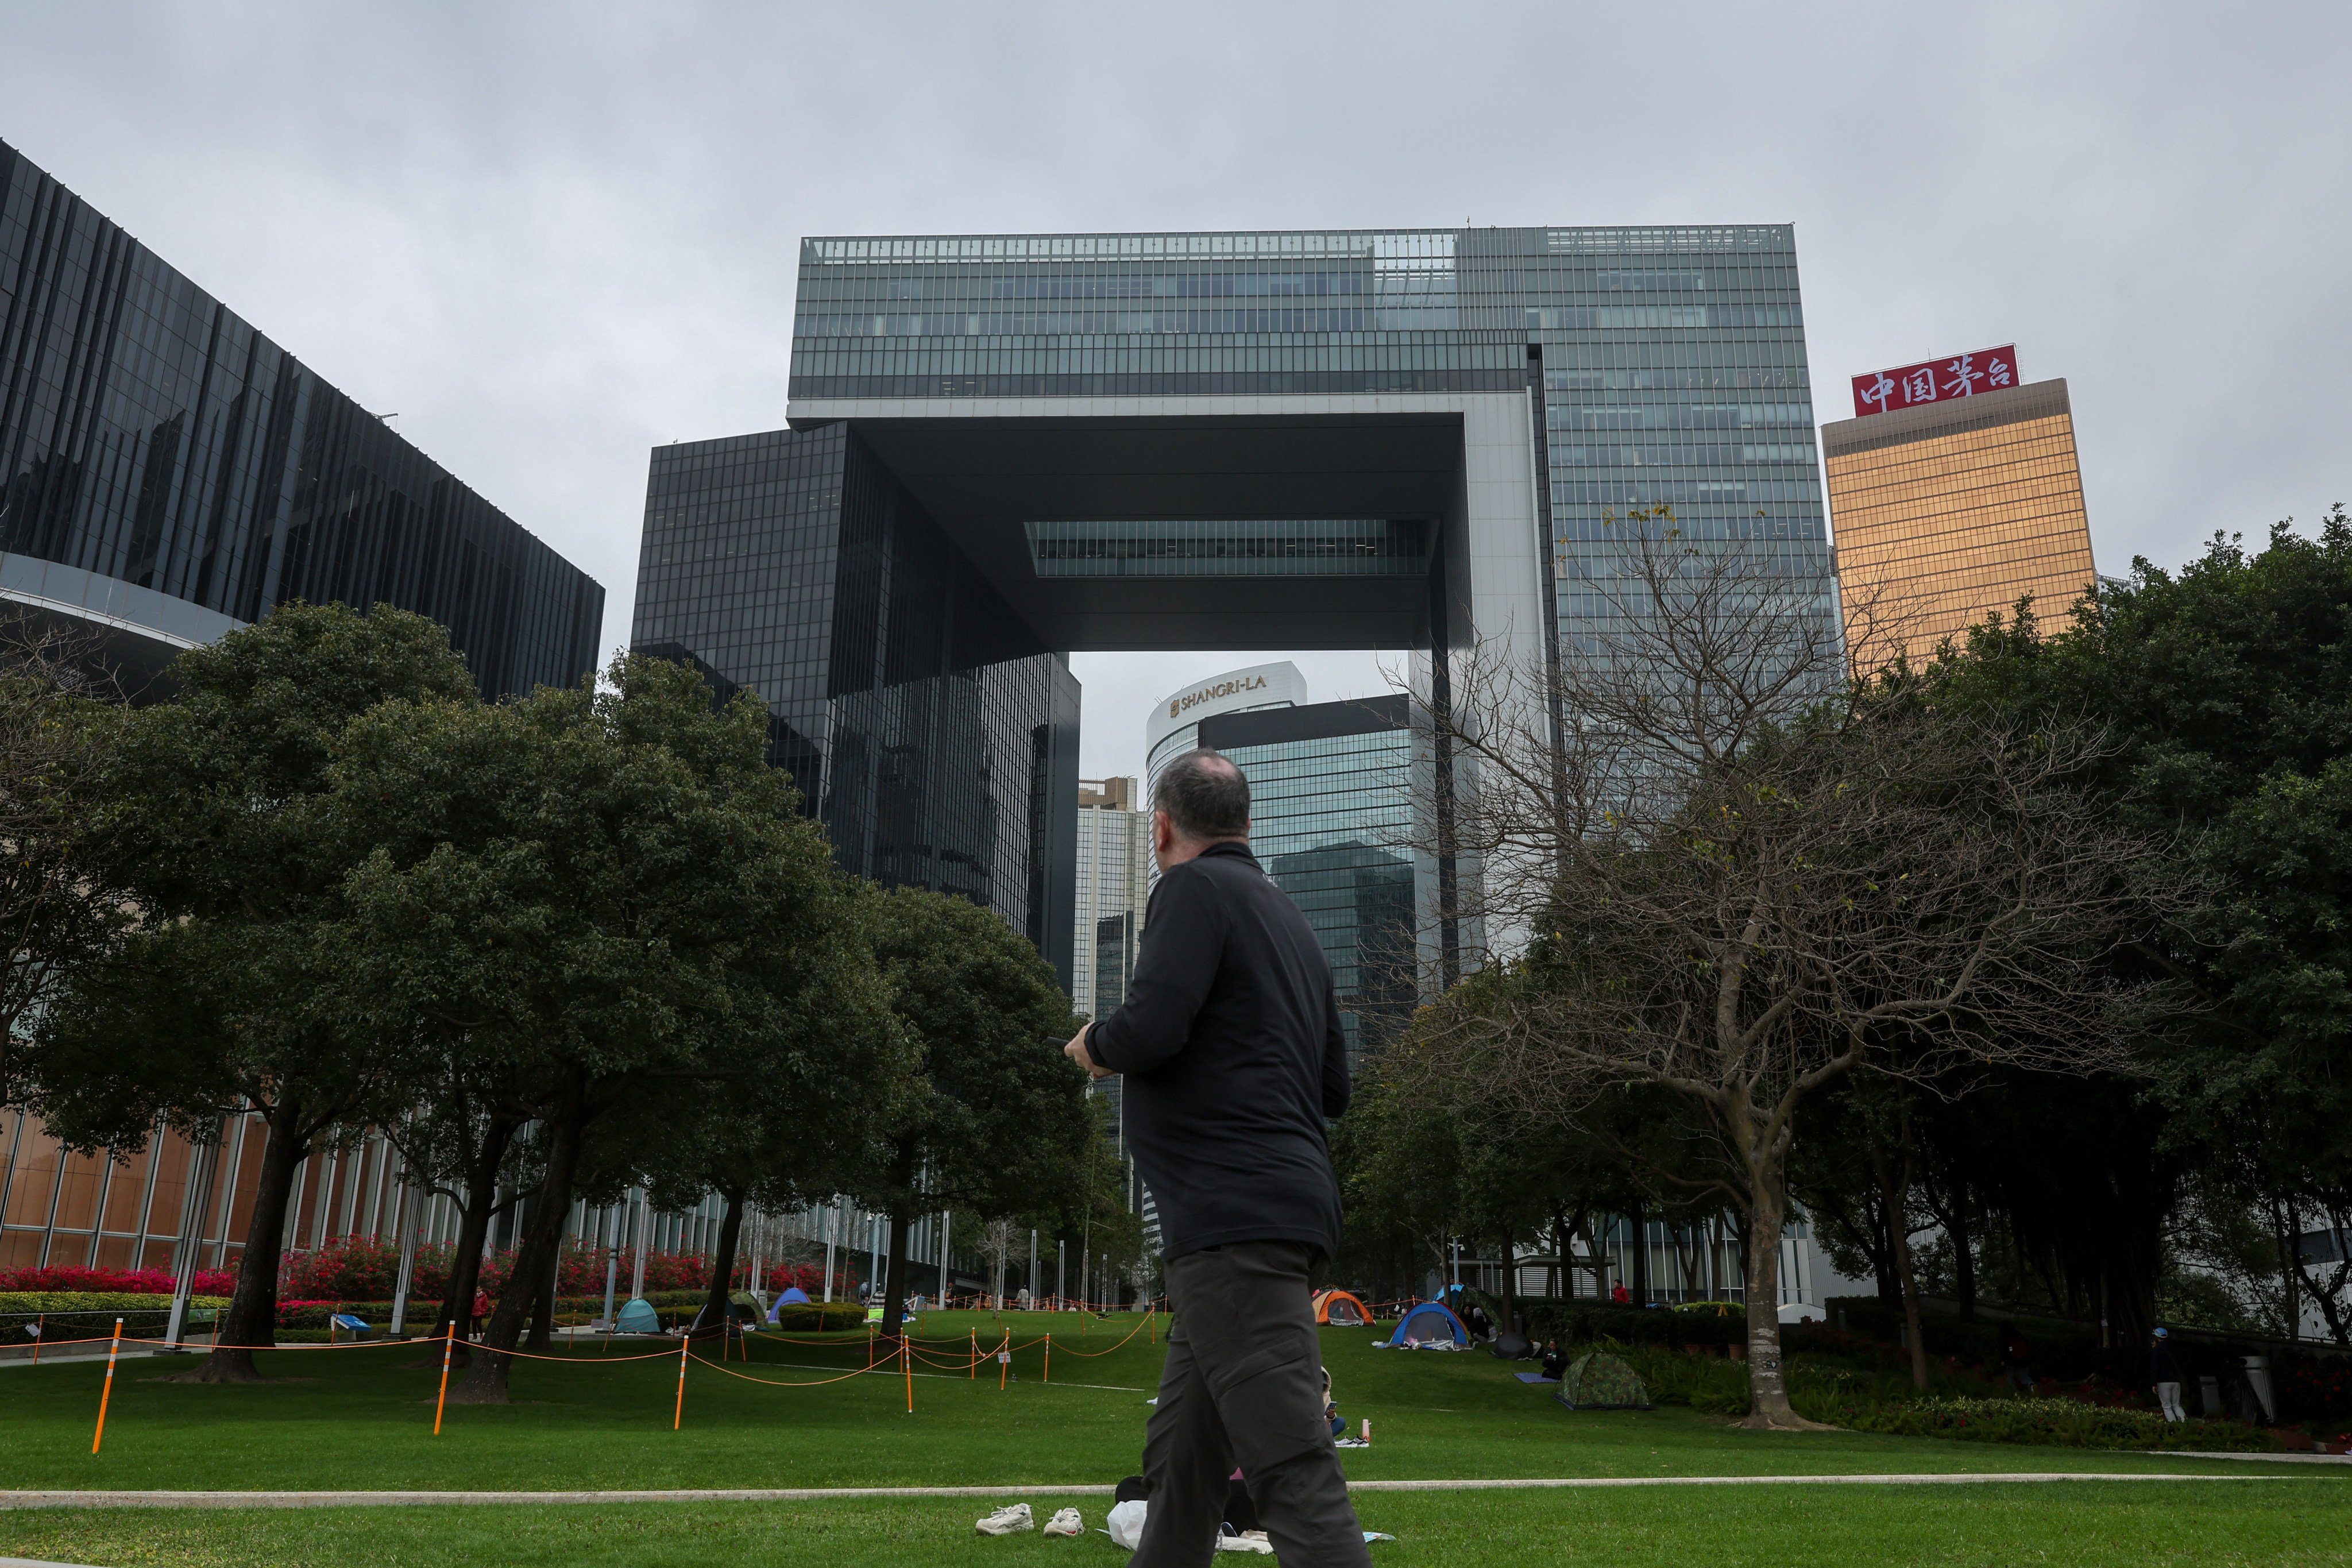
(1233, 1056)
(2161, 1366)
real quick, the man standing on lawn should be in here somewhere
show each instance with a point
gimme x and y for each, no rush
(1231, 1045)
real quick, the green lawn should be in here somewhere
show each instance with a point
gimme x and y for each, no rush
(2094, 1524)
(363, 1420)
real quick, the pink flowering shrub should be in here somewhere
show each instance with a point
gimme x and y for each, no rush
(115, 1281)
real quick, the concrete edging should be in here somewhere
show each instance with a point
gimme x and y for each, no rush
(81, 1499)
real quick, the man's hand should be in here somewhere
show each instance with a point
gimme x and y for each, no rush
(1076, 1051)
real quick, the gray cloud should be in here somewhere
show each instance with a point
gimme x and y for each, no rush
(550, 237)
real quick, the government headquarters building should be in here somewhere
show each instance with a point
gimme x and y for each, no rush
(1001, 449)
(998, 450)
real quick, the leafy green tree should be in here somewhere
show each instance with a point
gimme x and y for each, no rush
(2228, 688)
(610, 894)
(994, 1119)
(210, 815)
(782, 1139)
(57, 906)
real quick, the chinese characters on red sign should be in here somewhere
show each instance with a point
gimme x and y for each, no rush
(1936, 381)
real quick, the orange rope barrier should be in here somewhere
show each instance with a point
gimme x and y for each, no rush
(1107, 1350)
(785, 1383)
(108, 1392)
(448, 1348)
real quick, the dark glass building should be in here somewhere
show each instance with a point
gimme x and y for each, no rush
(1043, 444)
(167, 473)
(929, 727)
(1331, 820)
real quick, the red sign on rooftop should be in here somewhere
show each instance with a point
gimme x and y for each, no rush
(1936, 381)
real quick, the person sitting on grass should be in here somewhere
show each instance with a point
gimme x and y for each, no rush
(1554, 1361)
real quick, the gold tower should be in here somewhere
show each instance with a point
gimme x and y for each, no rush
(1945, 513)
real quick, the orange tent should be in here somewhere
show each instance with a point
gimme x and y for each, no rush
(1338, 1307)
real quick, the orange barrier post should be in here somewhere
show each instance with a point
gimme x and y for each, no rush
(1153, 1320)
(677, 1416)
(39, 1328)
(108, 1392)
(906, 1363)
(1004, 1360)
(973, 1372)
(1049, 1355)
(448, 1347)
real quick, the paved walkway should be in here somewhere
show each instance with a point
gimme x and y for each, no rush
(78, 1499)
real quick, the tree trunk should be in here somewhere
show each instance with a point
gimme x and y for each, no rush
(1964, 1261)
(712, 1319)
(1768, 1383)
(1641, 1250)
(542, 1317)
(486, 1379)
(474, 1229)
(1894, 1193)
(894, 1278)
(1887, 1273)
(1510, 1290)
(252, 1317)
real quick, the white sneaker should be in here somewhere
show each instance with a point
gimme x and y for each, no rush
(1066, 1523)
(1010, 1520)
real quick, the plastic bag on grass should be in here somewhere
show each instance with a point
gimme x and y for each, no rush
(1126, 1523)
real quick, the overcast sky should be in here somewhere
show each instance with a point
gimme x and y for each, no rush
(553, 237)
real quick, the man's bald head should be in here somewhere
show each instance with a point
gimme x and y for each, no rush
(1204, 796)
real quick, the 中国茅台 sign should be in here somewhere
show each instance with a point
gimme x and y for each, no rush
(1936, 381)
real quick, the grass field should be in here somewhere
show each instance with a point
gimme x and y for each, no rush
(363, 1419)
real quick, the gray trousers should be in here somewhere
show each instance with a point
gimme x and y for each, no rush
(1243, 1386)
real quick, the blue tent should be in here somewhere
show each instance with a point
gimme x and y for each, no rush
(1429, 1323)
(638, 1318)
(793, 1297)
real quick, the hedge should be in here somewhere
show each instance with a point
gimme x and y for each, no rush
(1881, 1402)
(1574, 1322)
(30, 1302)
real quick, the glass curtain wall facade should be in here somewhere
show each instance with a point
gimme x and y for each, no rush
(1952, 512)
(921, 720)
(1667, 362)
(163, 464)
(1331, 821)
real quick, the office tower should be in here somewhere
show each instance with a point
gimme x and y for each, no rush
(167, 473)
(1332, 821)
(1953, 504)
(1411, 440)
(1113, 864)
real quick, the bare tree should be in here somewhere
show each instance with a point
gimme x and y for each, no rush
(1737, 870)
(997, 1239)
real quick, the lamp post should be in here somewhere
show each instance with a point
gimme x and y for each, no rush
(637, 1273)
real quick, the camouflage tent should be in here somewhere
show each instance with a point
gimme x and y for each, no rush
(1603, 1381)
